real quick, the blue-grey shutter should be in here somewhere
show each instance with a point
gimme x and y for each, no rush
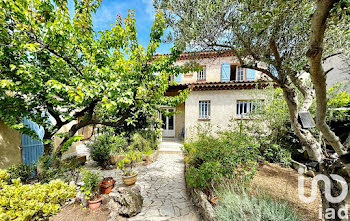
(251, 74)
(178, 78)
(225, 72)
(32, 148)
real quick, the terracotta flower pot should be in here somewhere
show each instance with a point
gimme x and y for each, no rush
(107, 185)
(94, 204)
(130, 180)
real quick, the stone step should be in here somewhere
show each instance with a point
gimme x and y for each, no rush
(169, 151)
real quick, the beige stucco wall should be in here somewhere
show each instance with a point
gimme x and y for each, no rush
(10, 146)
(222, 110)
(179, 119)
(213, 69)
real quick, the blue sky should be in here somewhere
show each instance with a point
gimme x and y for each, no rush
(144, 14)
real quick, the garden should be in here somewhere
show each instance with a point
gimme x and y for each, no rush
(249, 171)
(36, 192)
(64, 75)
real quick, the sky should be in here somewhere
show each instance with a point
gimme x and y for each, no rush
(144, 14)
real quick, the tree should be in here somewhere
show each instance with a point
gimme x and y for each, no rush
(54, 65)
(318, 76)
(273, 37)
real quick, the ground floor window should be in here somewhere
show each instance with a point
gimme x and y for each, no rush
(246, 106)
(204, 109)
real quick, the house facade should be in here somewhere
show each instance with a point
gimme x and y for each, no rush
(220, 92)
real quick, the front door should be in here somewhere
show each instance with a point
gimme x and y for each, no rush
(169, 124)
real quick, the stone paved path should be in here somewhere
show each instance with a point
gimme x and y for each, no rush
(163, 188)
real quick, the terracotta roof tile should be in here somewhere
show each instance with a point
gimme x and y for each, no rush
(201, 54)
(230, 85)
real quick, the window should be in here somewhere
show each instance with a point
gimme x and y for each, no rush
(201, 74)
(247, 106)
(237, 73)
(204, 109)
(240, 74)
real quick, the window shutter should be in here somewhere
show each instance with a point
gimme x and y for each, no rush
(225, 72)
(251, 75)
(178, 78)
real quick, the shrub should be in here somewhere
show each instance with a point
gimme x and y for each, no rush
(68, 170)
(100, 149)
(139, 143)
(213, 158)
(91, 181)
(32, 202)
(118, 144)
(152, 136)
(274, 153)
(145, 140)
(22, 171)
(232, 206)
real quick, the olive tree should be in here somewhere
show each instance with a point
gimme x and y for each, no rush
(284, 40)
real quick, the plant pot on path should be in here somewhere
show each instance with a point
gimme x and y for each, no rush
(94, 204)
(106, 185)
(130, 180)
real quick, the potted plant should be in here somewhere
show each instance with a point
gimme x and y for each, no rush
(106, 185)
(127, 164)
(90, 189)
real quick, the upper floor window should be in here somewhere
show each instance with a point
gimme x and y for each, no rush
(237, 73)
(201, 75)
(245, 107)
(204, 109)
(233, 72)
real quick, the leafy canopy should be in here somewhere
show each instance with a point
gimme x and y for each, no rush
(54, 64)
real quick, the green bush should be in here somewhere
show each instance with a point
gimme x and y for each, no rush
(68, 170)
(214, 158)
(152, 136)
(22, 171)
(274, 153)
(145, 140)
(100, 149)
(118, 144)
(139, 143)
(236, 207)
(32, 202)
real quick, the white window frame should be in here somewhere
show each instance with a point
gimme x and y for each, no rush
(239, 73)
(204, 109)
(201, 75)
(247, 106)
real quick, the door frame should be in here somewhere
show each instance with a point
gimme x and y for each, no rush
(166, 132)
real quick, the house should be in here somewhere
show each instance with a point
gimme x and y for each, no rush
(338, 71)
(221, 91)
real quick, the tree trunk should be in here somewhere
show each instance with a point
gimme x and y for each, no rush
(47, 145)
(332, 211)
(318, 78)
(310, 143)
